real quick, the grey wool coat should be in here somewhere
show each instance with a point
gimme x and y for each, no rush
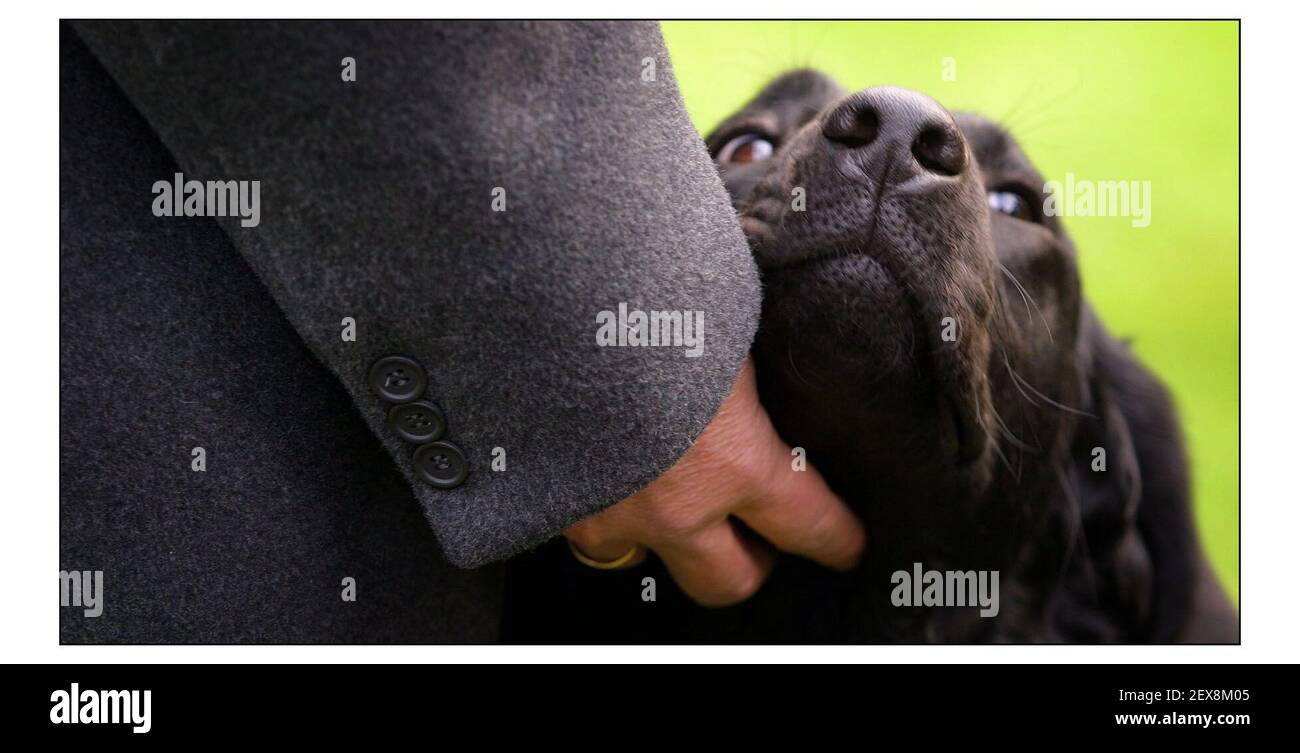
(245, 410)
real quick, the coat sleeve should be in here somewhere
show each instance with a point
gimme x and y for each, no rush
(472, 201)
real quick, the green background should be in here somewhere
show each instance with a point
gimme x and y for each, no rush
(1146, 101)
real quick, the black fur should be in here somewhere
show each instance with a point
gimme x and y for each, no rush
(853, 368)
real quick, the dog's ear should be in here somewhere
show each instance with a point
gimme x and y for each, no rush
(1140, 526)
(1134, 501)
(1110, 495)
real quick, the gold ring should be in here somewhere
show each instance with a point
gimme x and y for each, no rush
(613, 564)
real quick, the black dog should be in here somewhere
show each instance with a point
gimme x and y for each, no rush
(925, 340)
(924, 337)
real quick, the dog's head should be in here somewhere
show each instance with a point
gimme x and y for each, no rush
(920, 312)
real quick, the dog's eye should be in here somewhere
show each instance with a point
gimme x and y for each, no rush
(746, 148)
(1013, 203)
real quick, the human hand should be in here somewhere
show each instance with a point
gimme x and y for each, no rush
(738, 470)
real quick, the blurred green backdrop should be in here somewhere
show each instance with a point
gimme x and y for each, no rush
(1145, 101)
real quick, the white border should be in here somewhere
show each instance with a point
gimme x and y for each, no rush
(1270, 271)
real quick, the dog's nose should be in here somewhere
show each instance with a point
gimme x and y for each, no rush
(886, 123)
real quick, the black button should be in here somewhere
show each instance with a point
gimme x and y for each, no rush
(397, 379)
(420, 421)
(441, 464)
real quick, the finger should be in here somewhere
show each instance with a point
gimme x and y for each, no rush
(717, 566)
(631, 557)
(798, 513)
(601, 544)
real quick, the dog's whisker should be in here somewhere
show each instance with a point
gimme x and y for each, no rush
(1006, 432)
(789, 356)
(1029, 301)
(1015, 441)
(1039, 107)
(807, 61)
(794, 44)
(1030, 133)
(1021, 381)
(1016, 383)
(1001, 456)
(1032, 144)
(1047, 118)
(1015, 110)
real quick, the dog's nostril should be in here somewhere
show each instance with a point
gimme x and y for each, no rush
(940, 149)
(880, 126)
(854, 127)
